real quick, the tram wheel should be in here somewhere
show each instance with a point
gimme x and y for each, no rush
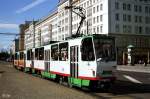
(61, 80)
(70, 84)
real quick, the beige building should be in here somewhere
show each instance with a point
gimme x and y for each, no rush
(22, 28)
(128, 21)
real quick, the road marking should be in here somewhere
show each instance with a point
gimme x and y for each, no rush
(132, 79)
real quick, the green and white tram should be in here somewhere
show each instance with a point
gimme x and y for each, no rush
(86, 61)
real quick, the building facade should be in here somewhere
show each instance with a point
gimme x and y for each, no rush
(127, 20)
(22, 28)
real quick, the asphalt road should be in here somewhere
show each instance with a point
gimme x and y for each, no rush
(15, 84)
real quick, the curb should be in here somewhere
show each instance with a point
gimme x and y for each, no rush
(134, 69)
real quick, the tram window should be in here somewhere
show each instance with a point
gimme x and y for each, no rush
(28, 55)
(54, 52)
(87, 50)
(16, 56)
(21, 55)
(41, 53)
(32, 55)
(47, 55)
(105, 49)
(36, 54)
(63, 51)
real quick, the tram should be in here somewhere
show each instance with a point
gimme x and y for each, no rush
(86, 61)
(19, 60)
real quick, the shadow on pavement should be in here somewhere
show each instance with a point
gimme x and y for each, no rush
(1, 72)
(125, 87)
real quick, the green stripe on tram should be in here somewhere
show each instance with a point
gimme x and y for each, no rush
(48, 75)
(74, 81)
(79, 82)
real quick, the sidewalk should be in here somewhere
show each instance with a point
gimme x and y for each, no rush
(135, 68)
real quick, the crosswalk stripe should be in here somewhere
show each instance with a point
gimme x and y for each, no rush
(132, 79)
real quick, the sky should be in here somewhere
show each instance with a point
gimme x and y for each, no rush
(15, 12)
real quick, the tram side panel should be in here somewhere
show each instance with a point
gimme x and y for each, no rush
(59, 59)
(16, 59)
(39, 59)
(81, 72)
(21, 62)
(87, 63)
(28, 60)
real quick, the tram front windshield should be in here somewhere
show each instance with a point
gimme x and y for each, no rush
(104, 49)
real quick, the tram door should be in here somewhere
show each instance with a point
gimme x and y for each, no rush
(24, 59)
(74, 61)
(32, 59)
(47, 61)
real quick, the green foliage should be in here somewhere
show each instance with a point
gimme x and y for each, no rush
(4, 55)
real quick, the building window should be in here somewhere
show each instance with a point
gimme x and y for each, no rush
(124, 6)
(136, 29)
(129, 7)
(93, 1)
(117, 5)
(101, 7)
(101, 29)
(97, 19)
(66, 12)
(87, 3)
(98, 8)
(90, 2)
(101, 18)
(97, 29)
(84, 5)
(140, 30)
(66, 28)
(146, 9)
(128, 29)
(129, 18)
(93, 9)
(66, 20)
(117, 17)
(140, 8)
(140, 19)
(117, 28)
(124, 28)
(124, 17)
(94, 20)
(135, 8)
(94, 30)
(136, 19)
